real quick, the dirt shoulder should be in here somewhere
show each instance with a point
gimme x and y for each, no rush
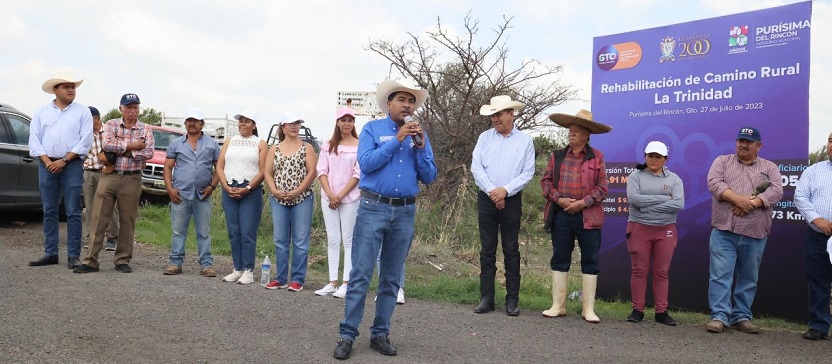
(50, 315)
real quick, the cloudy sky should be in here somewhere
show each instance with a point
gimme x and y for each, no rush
(276, 56)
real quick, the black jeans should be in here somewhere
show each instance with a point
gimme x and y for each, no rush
(819, 275)
(565, 229)
(506, 222)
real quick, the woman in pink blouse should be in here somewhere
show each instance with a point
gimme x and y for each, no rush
(338, 174)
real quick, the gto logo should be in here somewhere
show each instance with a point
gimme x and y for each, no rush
(618, 56)
(696, 47)
(747, 131)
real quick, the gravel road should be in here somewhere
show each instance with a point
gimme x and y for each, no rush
(50, 315)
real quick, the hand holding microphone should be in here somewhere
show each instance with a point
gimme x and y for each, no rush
(417, 139)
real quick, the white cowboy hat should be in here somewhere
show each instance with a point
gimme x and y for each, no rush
(500, 103)
(50, 84)
(388, 87)
(582, 118)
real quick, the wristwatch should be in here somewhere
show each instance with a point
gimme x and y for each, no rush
(64, 159)
(248, 188)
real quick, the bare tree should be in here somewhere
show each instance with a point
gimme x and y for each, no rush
(459, 83)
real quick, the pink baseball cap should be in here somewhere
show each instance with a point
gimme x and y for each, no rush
(344, 111)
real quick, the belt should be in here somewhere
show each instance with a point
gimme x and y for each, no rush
(392, 201)
(138, 171)
(92, 169)
(59, 158)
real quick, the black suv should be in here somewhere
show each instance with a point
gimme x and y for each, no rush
(19, 180)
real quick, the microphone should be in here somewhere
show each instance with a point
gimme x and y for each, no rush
(417, 139)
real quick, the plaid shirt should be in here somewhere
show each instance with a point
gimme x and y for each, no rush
(117, 136)
(91, 161)
(577, 177)
(728, 172)
(569, 184)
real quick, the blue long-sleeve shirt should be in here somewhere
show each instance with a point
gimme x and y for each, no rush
(389, 167)
(813, 195)
(55, 132)
(503, 161)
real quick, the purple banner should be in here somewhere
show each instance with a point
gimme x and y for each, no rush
(693, 86)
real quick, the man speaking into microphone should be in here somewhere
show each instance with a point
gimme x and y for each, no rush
(502, 165)
(394, 154)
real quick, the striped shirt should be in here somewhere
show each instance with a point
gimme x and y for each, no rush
(728, 172)
(813, 195)
(92, 162)
(117, 136)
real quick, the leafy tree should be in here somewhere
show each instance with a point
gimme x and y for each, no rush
(148, 115)
(112, 114)
(819, 155)
(458, 84)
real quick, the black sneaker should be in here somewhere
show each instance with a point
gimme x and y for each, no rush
(382, 344)
(636, 316)
(813, 334)
(343, 350)
(665, 319)
(83, 268)
(124, 268)
(111, 245)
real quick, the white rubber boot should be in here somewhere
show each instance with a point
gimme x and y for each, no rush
(559, 284)
(590, 282)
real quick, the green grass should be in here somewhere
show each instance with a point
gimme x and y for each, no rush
(446, 237)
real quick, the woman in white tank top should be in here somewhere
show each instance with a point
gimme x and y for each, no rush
(240, 170)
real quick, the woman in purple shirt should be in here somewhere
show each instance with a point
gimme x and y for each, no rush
(338, 174)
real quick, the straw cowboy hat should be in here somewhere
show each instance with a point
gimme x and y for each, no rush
(50, 84)
(582, 118)
(500, 103)
(388, 87)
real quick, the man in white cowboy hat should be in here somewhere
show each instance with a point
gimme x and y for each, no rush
(189, 187)
(502, 165)
(132, 143)
(814, 202)
(574, 185)
(60, 136)
(392, 163)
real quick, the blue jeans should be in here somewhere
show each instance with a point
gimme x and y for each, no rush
(732, 252)
(180, 218)
(378, 268)
(52, 186)
(819, 275)
(292, 224)
(565, 229)
(242, 218)
(378, 227)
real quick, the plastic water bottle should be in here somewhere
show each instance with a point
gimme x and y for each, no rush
(265, 271)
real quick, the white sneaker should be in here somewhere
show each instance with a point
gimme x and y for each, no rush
(246, 278)
(327, 290)
(233, 277)
(341, 292)
(400, 298)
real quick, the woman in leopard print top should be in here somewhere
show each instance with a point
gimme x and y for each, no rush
(290, 171)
